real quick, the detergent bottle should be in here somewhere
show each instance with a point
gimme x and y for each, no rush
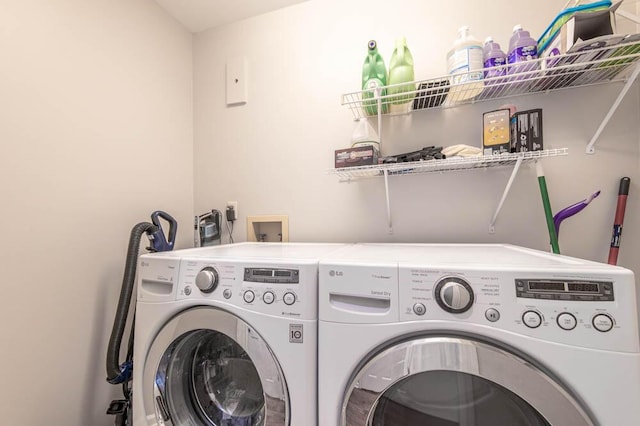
(374, 75)
(401, 71)
(522, 49)
(465, 66)
(494, 59)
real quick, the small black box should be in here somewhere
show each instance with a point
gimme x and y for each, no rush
(535, 129)
(526, 131)
(358, 156)
(520, 132)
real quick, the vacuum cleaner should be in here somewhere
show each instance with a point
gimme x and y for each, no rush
(120, 373)
(206, 229)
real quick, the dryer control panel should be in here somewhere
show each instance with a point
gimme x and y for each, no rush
(279, 289)
(596, 310)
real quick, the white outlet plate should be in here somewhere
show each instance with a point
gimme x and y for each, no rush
(237, 92)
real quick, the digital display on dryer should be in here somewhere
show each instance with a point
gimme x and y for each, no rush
(577, 290)
(546, 285)
(584, 287)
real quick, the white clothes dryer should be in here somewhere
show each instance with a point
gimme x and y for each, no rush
(227, 336)
(476, 335)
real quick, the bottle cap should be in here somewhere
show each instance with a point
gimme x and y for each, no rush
(517, 28)
(372, 44)
(488, 40)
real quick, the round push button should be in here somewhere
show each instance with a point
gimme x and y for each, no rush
(492, 314)
(532, 319)
(567, 321)
(603, 322)
(419, 309)
(249, 296)
(289, 298)
(187, 290)
(226, 293)
(268, 297)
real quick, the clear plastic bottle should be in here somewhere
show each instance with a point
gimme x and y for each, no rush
(365, 135)
(465, 65)
(401, 71)
(374, 75)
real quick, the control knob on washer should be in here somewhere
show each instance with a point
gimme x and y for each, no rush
(207, 280)
(454, 295)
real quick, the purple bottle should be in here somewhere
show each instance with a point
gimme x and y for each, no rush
(493, 57)
(522, 48)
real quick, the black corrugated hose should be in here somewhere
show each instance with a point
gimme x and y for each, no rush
(115, 373)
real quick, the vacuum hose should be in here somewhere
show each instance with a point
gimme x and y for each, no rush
(115, 373)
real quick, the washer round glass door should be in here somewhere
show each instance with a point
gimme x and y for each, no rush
(207, 367)
(445, 381)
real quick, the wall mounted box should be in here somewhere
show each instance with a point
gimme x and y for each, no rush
(268, 228)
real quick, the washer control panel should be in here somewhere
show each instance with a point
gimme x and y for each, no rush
(582, 309)
(272, 288)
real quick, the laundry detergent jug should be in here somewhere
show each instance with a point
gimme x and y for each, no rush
(374, 78)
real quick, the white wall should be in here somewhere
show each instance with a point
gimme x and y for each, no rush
(95, 134)
(271, 154)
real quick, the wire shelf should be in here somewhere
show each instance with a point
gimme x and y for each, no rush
(580, 69)
(445, 165)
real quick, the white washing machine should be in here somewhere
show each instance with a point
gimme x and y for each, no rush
(227, 336)
(476, 335)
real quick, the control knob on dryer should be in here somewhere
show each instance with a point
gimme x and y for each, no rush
(207, 280)
(454, 295)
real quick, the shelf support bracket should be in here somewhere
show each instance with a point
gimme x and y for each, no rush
(591, 146)
(516, 167)
(386, 192)
(628, 15)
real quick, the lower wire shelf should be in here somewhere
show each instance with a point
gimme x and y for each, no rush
(348, 174)
(440, 166)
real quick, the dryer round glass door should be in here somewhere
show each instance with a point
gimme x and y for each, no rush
(207, 367)
(442, 381)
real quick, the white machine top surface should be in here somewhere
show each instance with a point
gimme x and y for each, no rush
(486, 255)
(299, 251)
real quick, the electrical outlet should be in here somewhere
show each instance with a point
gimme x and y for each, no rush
(234, 205)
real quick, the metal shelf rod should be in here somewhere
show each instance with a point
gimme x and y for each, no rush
(386, 191)
(516, 167)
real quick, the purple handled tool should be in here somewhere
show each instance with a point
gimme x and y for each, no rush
(571, 210)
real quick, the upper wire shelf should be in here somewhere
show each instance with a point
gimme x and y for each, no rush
(580, 69)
